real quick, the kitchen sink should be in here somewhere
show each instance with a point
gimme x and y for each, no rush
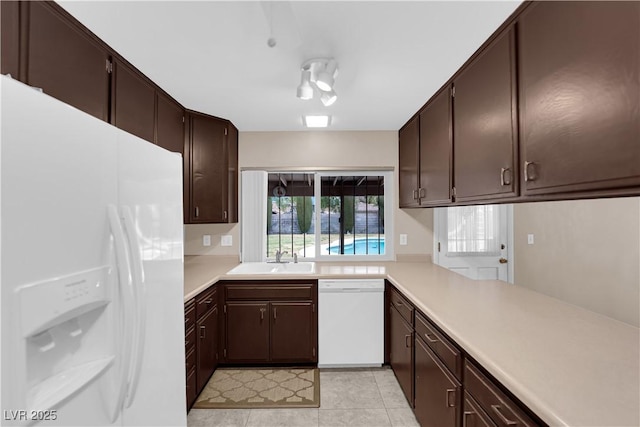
(274, 268)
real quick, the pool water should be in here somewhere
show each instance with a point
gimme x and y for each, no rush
(362, 247)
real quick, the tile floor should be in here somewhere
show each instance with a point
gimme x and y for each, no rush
(354, 398)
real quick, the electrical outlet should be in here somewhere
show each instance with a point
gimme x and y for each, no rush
(403, 239)
(530, 239)
(226, 240)
(206, 240)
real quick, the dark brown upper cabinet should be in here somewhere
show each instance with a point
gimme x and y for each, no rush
(211, 154)
(232, 174)
(579, 68)
(436, 150)
(10, 40)
(133, 101)
(62, 59)
(409, 140)
(169, 124)
(485, 124)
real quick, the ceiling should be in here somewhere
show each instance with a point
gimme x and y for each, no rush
(213, 57)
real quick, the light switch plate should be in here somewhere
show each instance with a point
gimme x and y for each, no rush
(226, 240)
(530, 239)
(206, 240)
(403, 239)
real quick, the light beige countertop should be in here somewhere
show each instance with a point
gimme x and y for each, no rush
(570, 366)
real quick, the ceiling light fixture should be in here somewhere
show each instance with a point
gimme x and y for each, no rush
(328, 98)
(316, 121)
(305, 91)
(319, 74)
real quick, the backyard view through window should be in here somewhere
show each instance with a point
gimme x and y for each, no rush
(315, 215)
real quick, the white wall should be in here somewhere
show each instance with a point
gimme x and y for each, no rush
(585, 252)
(320, 149)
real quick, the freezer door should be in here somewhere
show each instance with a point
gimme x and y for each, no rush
(150, 201)
(59, 283)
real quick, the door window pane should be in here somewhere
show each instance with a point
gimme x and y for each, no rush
(473, 230)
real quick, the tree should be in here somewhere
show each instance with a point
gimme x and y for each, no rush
(331, 203)
(348, 215)
(304, 212)
(269, 214)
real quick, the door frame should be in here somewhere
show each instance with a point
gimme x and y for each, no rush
(439, 216)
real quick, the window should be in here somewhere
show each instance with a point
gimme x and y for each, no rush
(473, 230)
(475, 241)
(328, 215)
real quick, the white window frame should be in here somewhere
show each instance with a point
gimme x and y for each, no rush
(389, 198)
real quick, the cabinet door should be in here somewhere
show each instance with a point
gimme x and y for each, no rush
(579, 64)
(10, 37)
(207, 330)
(409, 150)
(401, 352)
(64, 61)
(208, 170)
(132, 102)
(232, 168)
(169, 124)
(247, 332)
(438, 394)
(293, 332)
(485, 120)
(435, 150)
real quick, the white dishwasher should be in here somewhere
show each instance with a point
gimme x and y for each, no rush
(350, 323)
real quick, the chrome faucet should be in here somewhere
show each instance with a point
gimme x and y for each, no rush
(295, 258)
(279, 255)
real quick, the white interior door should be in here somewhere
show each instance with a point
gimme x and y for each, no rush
(475, 241)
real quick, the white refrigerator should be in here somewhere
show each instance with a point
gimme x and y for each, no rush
(91, 270)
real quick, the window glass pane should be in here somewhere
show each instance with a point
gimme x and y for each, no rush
(352, 215)
(473, 230)
(290, 219)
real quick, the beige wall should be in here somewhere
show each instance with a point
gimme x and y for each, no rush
(319, 149)
(585, 252)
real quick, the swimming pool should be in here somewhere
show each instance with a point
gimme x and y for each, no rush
(362, 247)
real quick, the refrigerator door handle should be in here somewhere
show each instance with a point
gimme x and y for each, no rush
(137, 352)
(125, 286)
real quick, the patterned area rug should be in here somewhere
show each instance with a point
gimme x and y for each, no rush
(261, 388)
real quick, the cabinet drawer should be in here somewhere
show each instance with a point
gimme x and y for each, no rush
(190, 361)
(404, 307)
(189, 340)
(189, 314)
(501, 409)
(473, 415)
(442, 346)
(206, 301)
(269, 292)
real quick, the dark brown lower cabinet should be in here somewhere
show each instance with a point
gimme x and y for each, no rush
(437, 392)
(401, 352)
(206, 329)
(190, 352)
(292, 336)
(270, 322)
(433, 371)
(247, 332)
(473, 415)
